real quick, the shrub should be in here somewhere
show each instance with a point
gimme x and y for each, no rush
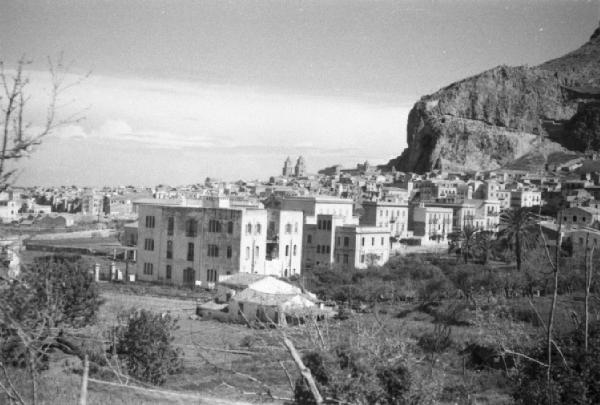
(436, 341)
(53, 292)
(346, 375)
(146, 344)
(56, 287)
(575, 382)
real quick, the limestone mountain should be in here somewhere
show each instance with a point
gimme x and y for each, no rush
(492, 119)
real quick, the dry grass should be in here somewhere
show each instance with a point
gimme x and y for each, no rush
(211, 372)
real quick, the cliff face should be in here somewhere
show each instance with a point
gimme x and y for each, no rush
(489, 120)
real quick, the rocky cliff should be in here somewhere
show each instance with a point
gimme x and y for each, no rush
(496, 117)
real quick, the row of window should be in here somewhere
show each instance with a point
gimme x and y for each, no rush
(324, 224)
(288, 227)
(362, 241)
(287, 250)
(323, 249)
(337, 259)
(191, 226)
(213, 250)
(387, 212)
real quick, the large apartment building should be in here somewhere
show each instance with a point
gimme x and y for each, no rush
(361, 246)
(391, 215)
(431, 223)
(329, 222)
(196, 244)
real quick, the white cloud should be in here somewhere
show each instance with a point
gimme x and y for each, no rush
(249, 122)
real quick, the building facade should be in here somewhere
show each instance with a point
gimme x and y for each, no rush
(432, 224)
(189, 245)
(358, 247)
(390, 215)
(284, 242)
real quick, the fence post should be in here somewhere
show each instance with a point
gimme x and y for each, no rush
(84, 381)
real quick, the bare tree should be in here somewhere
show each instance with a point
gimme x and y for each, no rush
(19, 133)
(589, 271)
(555, 272)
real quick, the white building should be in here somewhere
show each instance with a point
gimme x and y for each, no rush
(358, 247)
(432, 224)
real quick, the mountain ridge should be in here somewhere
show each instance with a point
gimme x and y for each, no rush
(488, 120)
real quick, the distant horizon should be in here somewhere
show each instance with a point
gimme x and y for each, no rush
(184, 90)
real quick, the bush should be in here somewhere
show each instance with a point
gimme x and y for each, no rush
(146, 345)
(351, 376)
(575, 382)
(436, 341)
(56, 287)
(53, 292)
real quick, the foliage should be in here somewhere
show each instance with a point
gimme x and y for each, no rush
(351, 376)
(53, 293)
(400, 279)
(59, 288)
(574, 380)
(436, 341)
(517, 227)
(146, 345)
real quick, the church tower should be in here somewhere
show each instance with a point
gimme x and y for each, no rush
(300, 169)
(288, 170)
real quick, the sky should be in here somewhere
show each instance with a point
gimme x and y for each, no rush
(177, 91)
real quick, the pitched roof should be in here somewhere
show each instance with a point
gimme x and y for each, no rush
(242, 280)
(266, 299)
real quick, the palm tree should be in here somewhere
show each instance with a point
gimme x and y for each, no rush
(484, 243)
(467, 237)
(517, 227)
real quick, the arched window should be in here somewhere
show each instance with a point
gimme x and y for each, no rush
(191, 227)
(189, 276)
(230, 227)
(214, 226)
(169, 249)
(258, 229)
(249, 228)
(170, 226)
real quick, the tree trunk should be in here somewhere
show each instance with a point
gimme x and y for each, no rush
(556, 269)
(588, 281)
(518, 251)
(304, 371)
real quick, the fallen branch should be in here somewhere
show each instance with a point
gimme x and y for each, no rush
(304, 371)
(215, 349)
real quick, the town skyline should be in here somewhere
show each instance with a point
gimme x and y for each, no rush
(217, 89)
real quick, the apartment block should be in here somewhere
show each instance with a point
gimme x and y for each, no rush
(194, 245)
(390, 215)
(361, 246)
(432, 224)
(525, 198)
(284, 242)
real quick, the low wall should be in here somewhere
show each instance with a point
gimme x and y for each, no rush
(95, 233)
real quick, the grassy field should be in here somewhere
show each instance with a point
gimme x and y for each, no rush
(213, 368)
(232, 363)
